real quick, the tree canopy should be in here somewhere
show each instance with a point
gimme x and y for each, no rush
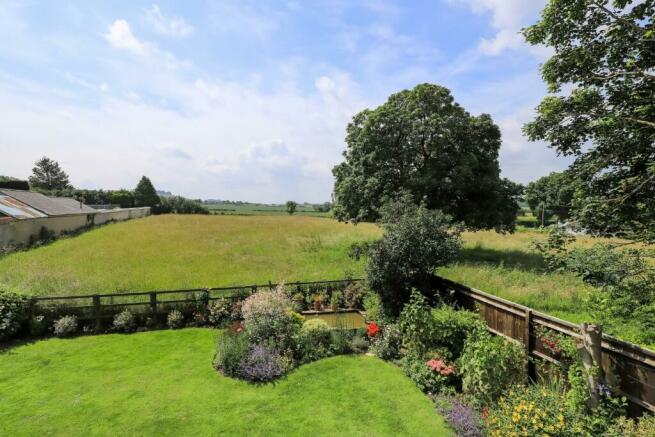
(422, 142)
(602, 107)
(48, 175)
(145, 193)
(550, 195)
(291, 207)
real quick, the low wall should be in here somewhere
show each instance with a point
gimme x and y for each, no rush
(19, 232)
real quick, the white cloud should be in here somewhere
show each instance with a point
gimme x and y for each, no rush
(507, 18)
(167, 25)
(120, 36)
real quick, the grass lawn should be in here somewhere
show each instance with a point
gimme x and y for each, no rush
(178, 251)
(162, 383)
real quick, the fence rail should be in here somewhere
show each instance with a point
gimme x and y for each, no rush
(628, 367)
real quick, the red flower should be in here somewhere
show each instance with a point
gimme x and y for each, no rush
(372, 329)
(485, 413)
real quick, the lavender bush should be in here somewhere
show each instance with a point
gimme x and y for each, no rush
(462, 418)
(261, 365)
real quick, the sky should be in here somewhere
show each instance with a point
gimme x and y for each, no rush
(248, 100)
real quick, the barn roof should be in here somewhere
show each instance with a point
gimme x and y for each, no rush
(16, 209)
(48, 206)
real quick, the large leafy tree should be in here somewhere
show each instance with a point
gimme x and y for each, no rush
(602, 107)
(47, 174)
(422, 142)
(145, 193)
(551, 195)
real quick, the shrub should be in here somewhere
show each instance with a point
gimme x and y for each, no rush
(298, 302)
(219, 312)
(359, 344)
(124, 321)
(268, 318)
(175, 319)
(462, 417)
(489, 365)
(231, 349)
(354, 295)
(416, 241)
(642, 427)
(14, 310)
(451, 328)
(38, 326)
(316, 332)
(65, 326)
(387, 346)
(416, 324)
(261, 364)
(429, 381)
(373, 307)
(340, 342)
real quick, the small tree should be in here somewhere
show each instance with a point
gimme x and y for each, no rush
(145, 193)
(416, 241)
(291, 207)
(48, 175)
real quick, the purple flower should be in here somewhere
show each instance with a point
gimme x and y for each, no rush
(261, 365)
(463, 419)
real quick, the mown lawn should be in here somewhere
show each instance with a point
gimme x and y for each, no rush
(162, 383)
(176, 251)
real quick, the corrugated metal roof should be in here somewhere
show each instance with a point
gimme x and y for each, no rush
(17, 209)
(50, 206)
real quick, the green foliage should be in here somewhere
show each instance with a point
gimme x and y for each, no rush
(422, 142)
(65, 326)
(415, 367)
(414, 244)
(642, 427)
(387, 346)
(14, 312)
(219, 312)
(316, 334)
(550, 195)
(175, 319)
(291, 207)
(415, 322)
(145, 194)
(603, 60)
(38, 326)
(490, 365)
(48, 175)
(359, 344)
(124, 321)
(13, 183)
(179, 205)
(354, 295)
(231, 349)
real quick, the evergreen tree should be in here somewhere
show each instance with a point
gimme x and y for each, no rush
(48, 175)
(145, 193)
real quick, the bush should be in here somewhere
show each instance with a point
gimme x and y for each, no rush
(179, 205)
(316, 332)
(387, 346)
(124, 321)
(175, 319)
(359, 344)
(340, 342)
(643, 427)
(14, 310)
(262, 364)
(219, 312)
(451, 328)
(268, 319)
(65, 326)
(415, 323)
(425, 378)
(373, 307)
(231, 348)
(490, 365)
(38, 326)
(462, 417)
(354, 295)
(416, 241)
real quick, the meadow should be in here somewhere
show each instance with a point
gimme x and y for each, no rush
(262, 209)
(186, 251)
(162, 383)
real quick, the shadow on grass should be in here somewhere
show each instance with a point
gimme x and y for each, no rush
(517, 259)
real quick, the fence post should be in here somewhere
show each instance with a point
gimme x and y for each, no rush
(270, 285)
(591, 353)
(153, 304)
(96, 312)
(529, 345)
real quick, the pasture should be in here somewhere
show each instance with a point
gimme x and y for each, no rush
(162, 383)
(185, 251)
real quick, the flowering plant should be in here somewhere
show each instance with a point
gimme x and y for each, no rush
(438, 366)
(372, 329)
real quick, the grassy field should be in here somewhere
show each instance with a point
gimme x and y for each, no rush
(176, 251)
(262, 209)
(162, 383)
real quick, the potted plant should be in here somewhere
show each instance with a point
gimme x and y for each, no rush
(335, 301)
(318, 302)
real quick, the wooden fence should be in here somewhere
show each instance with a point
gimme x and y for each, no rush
(630, 369)
(97, 310)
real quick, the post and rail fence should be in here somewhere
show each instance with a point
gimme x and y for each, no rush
(629, 368)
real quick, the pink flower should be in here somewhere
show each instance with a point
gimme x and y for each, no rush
(438, 366)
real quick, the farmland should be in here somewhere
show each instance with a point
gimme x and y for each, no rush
(162, 383)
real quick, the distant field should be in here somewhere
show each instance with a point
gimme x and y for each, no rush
(178, 251)
(262, 209)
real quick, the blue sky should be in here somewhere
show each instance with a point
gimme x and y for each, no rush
(248, 100)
